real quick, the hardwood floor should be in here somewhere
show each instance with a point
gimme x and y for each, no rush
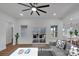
(10, 47)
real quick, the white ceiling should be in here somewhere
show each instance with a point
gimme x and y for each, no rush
(61, 9)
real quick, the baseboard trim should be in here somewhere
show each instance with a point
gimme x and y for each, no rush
(8, 44)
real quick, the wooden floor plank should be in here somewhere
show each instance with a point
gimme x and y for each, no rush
(10, 47)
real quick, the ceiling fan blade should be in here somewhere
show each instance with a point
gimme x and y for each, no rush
(35, 3)
(31, 13)
(31, 4)
(41, 10)
(23, 4)
(37, 13)
(42, 6)
(25, 9)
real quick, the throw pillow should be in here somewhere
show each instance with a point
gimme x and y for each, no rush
(73, 51)
(60, 44)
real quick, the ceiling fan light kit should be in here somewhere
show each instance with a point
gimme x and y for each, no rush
(34, 8)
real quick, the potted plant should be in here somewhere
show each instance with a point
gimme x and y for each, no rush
(71, 33)
(17, 36)
(76, 32)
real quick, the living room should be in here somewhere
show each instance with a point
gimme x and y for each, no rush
(38, 29)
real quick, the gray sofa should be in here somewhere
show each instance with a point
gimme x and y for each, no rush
(58, 51)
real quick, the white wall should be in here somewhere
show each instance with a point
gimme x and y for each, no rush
(4, 20)
(38, 23)
(2, 36)
(9, 34)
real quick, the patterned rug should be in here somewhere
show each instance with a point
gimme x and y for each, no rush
(41, 52)
(45, 52)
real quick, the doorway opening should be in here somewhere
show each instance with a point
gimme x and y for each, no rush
(39, 35)
(9, 36)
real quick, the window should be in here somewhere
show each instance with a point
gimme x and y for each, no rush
(54, 30)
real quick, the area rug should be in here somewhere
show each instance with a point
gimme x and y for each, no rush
(24, 52)
(45, 52)
(31, 52)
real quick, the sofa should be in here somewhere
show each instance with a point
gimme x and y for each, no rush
(62, 48)
(60, 51)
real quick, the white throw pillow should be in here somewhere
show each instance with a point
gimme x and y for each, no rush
(73, 51)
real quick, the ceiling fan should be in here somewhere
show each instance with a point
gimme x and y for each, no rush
(34, 8)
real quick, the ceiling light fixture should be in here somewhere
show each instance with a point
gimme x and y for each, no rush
(54, 14)
(21, 14)
(34, 9)
(70, 18)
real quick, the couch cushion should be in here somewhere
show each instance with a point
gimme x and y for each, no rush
(52, 44)
(58, 52)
